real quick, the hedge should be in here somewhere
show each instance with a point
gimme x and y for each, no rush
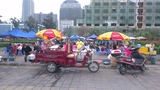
(6, 43)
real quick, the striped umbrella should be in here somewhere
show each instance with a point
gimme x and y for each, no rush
(49, 33)
(113, 36)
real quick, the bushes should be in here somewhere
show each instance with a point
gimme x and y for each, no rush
(4, 44)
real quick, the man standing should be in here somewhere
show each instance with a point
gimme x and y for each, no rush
(27, 50)
(79, 44)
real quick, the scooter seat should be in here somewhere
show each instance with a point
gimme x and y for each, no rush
(125, 57)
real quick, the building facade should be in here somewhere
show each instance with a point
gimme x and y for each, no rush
(27, 9)
(40, 17)
(66, 24)
(139, 14)
(70, 9)
(5, 28)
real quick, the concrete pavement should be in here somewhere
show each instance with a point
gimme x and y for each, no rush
(36, 78)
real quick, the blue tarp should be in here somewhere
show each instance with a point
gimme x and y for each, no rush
(92, 36)
(74, 37)
(32, 33)
(17, 33)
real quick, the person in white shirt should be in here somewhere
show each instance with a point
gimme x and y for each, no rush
(19, 48)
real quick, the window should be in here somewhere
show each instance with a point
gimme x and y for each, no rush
(96, 24)
(157, 17)
(105, 10)
(149, 10)
(148, 24)
(105, 24)
(157, 24)
(139, 25)
(97, 4)
(157, 10)
(88, 24)
(140, 11)
(157, 3)
(114, 10)
(131, 17)
(122, 24)
(97, 11)
(148, 17)
(113, 17)
(114, 3)
(131, 24)
(113, 24)
(131, 3)
(149, 3)
(123, 3)
(105, 4)
(97, 18)
(131, 10)
(88, 18)
(140, 18)
(80, 24)
(122, 17)
(122, 10)
(88, 11)
(105, 17)
(140, 4)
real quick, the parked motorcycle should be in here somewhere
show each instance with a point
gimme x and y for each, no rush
(135, 61)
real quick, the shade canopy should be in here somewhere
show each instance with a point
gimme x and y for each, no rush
(113, 36)
(74, 37)
(17, 33)
(93, 36)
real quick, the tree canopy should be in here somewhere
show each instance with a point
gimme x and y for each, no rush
(15, 22)
(48, 22)
(31, 23)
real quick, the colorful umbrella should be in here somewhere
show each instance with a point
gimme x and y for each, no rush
(49, 33)
(113, 36)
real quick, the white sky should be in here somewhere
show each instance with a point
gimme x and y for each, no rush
(13, 8)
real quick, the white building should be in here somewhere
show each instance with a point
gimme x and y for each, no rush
(66, 24)
(5, 28)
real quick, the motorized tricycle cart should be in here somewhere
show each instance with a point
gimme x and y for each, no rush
(59, 58)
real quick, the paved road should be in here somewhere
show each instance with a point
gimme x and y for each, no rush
(36, 78)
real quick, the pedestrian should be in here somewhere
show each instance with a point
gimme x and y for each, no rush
(19, 49)
(79, 44)
(37, 48)
(26, 50)
(9, 49)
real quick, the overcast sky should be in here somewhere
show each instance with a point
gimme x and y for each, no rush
(13, 8)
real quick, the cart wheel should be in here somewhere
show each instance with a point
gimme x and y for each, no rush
(93, 67)
(51, 67)
(143, 67)
(122, 70)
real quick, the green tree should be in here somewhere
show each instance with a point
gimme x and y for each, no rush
(15, 22)
(31, 23)
(95, 31)
(48, 22)
(68, 32)
(82, 31)
(154, 34)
